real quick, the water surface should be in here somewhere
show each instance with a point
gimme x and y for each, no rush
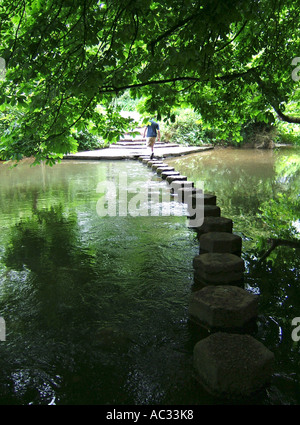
(96, 307)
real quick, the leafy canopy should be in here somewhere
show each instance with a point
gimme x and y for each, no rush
(231, 61)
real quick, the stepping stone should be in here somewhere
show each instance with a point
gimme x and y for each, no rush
(145, 160)
(232, 365)
(153, 162)
(212, 211)
(220, 242)
(207, 198)
(223, 307)
(155, 166)
(159, 170)
(185, 192)
(204, 205)
(177, 184)
(218, 269)
(171, 179)
(143, 157)
(166, 174)
(214, 224)
(204, 210)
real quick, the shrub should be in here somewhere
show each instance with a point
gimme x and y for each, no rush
(258, 134)
(187, 129)
(87, 141)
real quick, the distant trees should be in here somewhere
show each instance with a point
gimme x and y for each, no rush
(231, 61)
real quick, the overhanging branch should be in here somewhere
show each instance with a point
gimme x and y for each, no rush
(286, 118)
(226, 77)
(271, 96)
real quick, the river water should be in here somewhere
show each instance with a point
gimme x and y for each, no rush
(95, 306)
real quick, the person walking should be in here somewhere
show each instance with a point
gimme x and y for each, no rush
(152, 132)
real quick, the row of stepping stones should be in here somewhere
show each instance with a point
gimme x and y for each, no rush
(229, 362)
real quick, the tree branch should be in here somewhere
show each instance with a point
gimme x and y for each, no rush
(16, 35)
(271, 97)
(170, 31)
(226, 77)
(286, 118)
(277, 242)
(232, 40)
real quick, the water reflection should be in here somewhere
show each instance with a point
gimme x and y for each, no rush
(96, 307)
(89, 300)
(260, 191)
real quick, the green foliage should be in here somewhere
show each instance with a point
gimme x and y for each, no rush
(230, 61)
(259, 134)
(288, 136)
(127, 103)
(87, 141)
(187, 129)
(280, 215)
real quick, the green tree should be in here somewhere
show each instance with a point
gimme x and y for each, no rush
(231, 61)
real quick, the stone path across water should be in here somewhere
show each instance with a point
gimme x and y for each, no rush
(229, 362)
(133, 148)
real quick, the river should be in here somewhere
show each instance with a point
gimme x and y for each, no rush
(95, 306)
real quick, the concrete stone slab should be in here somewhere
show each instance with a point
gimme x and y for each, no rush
(159, 170)
(220, 242)
(152, 162)
(129, 153)
(166, 174)
(171, 179)
(212, 211)
(177, 184)
(208, 199)
(206, 210)
(185, 192)
(214, 224)
(223, 307)
(218, 268)
(155, 166)
(232, 365)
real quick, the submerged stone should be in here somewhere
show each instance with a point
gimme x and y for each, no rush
(218, 268)
(223, 307)
(220, 242)
(232, 365)
(111, 339)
